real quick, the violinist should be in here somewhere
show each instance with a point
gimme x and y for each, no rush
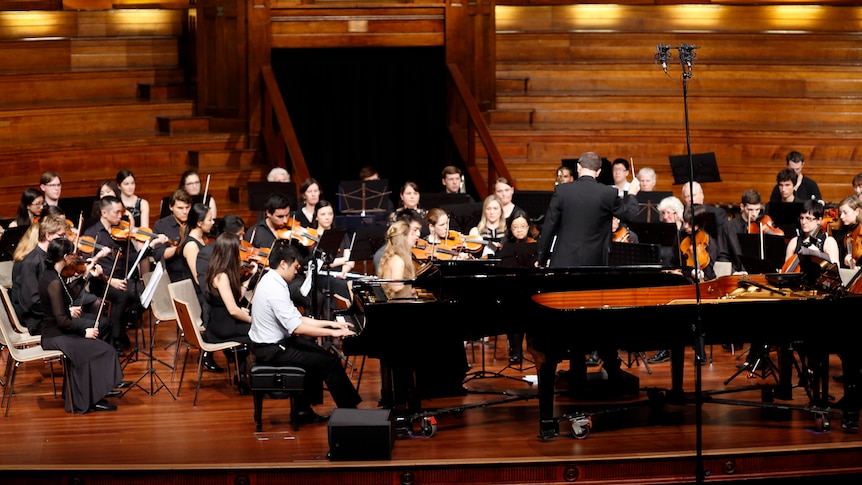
(107, 187)
(850, 212)
(200, 223)
(438, 239)
(704, 249)
(137, 208)
(622, 232)
(122, 294)
(190, 181)
(340, 264)
(696, 196)
(30, 208)
(173, 227)
(492, 225)
(93, 365)
(51, 187)
(751, 210)
(519, 234)
(812, 236)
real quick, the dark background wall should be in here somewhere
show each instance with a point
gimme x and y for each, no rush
(383, 107)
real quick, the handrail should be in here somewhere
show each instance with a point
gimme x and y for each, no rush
(278, 133)
(475, 121)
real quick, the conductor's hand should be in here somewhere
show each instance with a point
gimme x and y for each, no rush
(634, 187)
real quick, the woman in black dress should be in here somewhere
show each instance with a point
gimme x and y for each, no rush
(93, 364)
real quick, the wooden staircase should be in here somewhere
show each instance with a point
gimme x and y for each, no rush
(88, 93)
(570, 83)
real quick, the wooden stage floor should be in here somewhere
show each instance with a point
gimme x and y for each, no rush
(154, 438)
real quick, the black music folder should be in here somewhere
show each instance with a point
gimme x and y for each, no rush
(659, 233)
(517, 254)
(259, 192)
(11, 237)
(773, 253)
(704, 165)
(648, 202)
(785, 215)
(633, 254)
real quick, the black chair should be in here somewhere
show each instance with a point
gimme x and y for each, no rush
(264, 379)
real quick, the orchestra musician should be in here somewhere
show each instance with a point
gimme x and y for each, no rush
(492, 225)
(137, 208)
(620, 172)
(719, 214)
(30, 208)
(92, 363)
(785, 183)
(647, 179)
(340, 263)
(198, 225)
(505, 190)
(51, 186)
(622, 232)
(704, 249)
(409, 196)
(278, 174)
(190, 181)
(310, 192)
(850, 212)
(519, 232)
(280, 335)
(451, 179)
(396, 263)
(438, 237)
(804, 188)
(857, 184)
(751, 209)
(812, 235)
(173, 227)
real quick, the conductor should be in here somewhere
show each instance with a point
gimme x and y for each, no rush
(579, 218)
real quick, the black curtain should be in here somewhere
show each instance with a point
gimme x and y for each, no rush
(383, 107)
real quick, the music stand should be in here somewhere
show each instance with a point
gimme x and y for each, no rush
(534, 202)
(659, 233)
(773, 252)
(648, 202)
(785, 215)
(73, 206)
(9, 241)
(704, 166)
(634, 254)
(517, 254)
(362, 196)
(441, 199)
(463, 217)
(259, 192)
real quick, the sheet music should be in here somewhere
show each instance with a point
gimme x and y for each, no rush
(150, 289)
(141, 254)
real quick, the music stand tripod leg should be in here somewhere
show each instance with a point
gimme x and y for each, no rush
(151, 371)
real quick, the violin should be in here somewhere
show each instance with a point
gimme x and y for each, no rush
(701, 241)
(622, 235)
(88, 245)
(765, 225)
(423, 250)
(830, 220)
(457, 241)
(853, 243)
(123, 230)
(74, 268)
(294, 230)
(251, 254)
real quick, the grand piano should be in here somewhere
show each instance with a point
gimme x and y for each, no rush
(568, 312)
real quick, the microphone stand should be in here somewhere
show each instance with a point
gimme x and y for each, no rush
(686, 61)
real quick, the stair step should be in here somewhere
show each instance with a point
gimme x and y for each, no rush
(163, 91)
(183, 124)
(206, 160)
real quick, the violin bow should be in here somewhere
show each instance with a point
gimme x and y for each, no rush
(105, 294)
(206, 189)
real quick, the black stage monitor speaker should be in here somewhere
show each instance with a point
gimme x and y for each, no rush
(361, 434)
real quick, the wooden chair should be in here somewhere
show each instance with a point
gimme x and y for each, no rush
(19, 355)
(193, 338)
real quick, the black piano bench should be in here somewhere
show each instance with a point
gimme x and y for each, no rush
(264, 379)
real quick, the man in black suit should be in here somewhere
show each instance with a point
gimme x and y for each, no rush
(579, 217)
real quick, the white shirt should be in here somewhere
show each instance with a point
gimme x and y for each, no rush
(274, 317)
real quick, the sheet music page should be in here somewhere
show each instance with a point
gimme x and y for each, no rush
(141, 254)
(150, 290)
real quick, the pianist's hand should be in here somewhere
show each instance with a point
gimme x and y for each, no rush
(344, 331)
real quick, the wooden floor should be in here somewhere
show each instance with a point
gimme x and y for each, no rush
(155, 438)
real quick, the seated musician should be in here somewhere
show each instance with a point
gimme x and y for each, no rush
(198, 225)
(122, 294)
(174, 228)
(310, 191)
(338, 264)
(704, 249)
(137, 208)
(190, 182)
(409, 196)
(281, 335)
(850, 212)
(414, 221)
(813, 235)
(622, 232)
(785, 187)
(438, 237)
(750, 212)
(505, 190)
(30, 208)
(492, 225)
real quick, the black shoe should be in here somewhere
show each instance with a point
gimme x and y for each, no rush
(115, 393)
(850, 421)
(516, 359)
(123, 385)
(103, 406)
(211, 366)
(308, 417)
(659, 357)
(593, 360)
(120, 351)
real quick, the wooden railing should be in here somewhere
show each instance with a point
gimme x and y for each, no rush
(278, 134)
(464, 132)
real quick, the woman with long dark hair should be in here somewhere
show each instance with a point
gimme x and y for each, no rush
(227, 320)
(136, 207)
(32, 203)
(93, 364)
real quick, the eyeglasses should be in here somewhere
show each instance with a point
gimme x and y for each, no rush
(807, 218)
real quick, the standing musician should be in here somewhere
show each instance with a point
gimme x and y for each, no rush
(850, 212)
(92, 363)
(813, 235)
(173, 228)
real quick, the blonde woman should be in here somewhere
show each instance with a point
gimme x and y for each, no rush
(492, 225)
(397, 260)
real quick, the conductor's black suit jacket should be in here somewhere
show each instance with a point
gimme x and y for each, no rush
(579, 215)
